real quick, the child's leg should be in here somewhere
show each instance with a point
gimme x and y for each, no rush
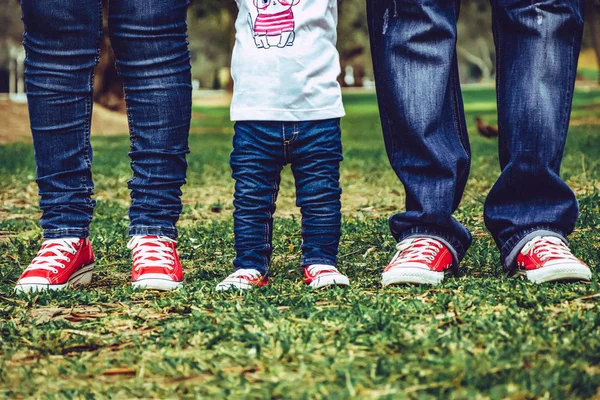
(316, 156)
(256, 163)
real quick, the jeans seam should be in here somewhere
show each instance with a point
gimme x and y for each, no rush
(319, 260)
(56, 230)
(457, 121)
(294, 136)
(496, 33)
(76, 232)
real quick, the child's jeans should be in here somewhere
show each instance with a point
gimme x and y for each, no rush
(62, 40)
(260, 150)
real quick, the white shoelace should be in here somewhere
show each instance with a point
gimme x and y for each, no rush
(318, 268)
(416, 250)
(52, 253)
(152, 252)
(252, 273)
(548, 246)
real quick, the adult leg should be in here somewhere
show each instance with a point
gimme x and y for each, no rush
(62, 39)
(256, 163)
(413, 45)
(538, 45)
(150, 43)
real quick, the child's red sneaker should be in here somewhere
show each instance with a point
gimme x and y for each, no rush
(546, 259)
(319, 275)
(156, 264)
(418, 260)
(60, 264)
(243, 279)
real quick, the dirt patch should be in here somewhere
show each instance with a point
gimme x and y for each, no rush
(15, 117)
(212, 98)
(585, 121)
(15, 122)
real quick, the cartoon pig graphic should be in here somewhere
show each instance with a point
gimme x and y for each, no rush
(274, 25)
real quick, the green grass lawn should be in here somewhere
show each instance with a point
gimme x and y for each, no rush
(479, 335)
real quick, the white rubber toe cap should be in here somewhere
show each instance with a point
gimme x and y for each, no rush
(156, 282)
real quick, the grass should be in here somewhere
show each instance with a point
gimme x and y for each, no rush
(479, 335)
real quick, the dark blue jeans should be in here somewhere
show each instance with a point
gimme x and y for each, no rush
(260, 150)
(414, 54)
(62, 39)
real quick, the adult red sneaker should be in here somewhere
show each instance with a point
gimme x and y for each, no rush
(547, 258)
(418, 260)
(320, 275)
(60, 264)
(156, 264)
(243, 279)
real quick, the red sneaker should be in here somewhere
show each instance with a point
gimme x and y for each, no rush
(156, 263)
(546, 259)
(243, 279)
(418, 260)
(320, 275)
(60, 264)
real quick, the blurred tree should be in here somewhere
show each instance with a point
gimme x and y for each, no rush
(592, 17)
(11, 28)
(475, 47)
(108, 86)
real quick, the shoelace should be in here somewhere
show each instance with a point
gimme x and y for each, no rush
(152, 252)
(548, 246)
(247, 273)
(416, 250)
(318, 268)
(52, 253)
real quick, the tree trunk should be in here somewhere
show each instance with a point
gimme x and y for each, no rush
(592, 16)
(108, 86)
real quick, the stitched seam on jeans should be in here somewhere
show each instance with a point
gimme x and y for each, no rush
(568, 105)
(132, 136)
(457, 120)
(294, 136)
(150, 227)
(286, 148)
(496, 33)
(59, 230)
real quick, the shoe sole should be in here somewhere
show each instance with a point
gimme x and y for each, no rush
(329, 280)
(559, 272)
(83, 277)
(407, 275)
(233, 285)
(164, 285)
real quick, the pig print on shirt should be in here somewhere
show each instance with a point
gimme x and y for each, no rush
(274, 25)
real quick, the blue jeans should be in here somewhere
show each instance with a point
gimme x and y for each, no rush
(414, 55)
(62, 39)
(260, 150)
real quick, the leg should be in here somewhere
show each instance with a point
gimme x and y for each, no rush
(62, 39)
(316, 153)
(256, 163)
(413, 45)
(149, 39)
(538, 47)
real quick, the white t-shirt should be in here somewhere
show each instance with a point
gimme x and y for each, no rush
(285, 63)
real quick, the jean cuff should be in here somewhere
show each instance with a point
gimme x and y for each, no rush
(513, 246)
(66, 233)
(264, 271)
(144, 230)
(318, 260)
(454, 246)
